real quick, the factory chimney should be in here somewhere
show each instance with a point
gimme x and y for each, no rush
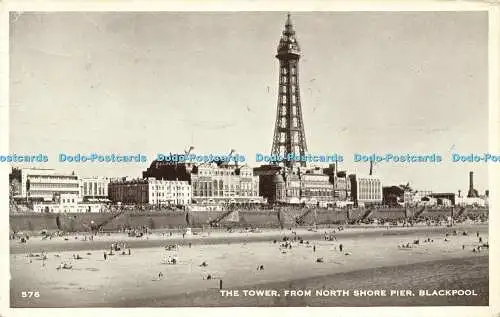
(472, 191)
(471, 181)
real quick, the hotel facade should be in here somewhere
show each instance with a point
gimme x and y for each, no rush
(39, 184)
(150, 191)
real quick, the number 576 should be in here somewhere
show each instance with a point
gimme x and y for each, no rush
(29, 294)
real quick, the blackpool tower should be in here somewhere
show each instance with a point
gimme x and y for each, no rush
(289, 140)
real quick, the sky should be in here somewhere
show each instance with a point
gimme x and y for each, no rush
(370, 82)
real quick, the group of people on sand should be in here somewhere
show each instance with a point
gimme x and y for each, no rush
(173, 259)
(406, 246)
(476, 248)
(170, 259)
(287, 243)
(116, 247)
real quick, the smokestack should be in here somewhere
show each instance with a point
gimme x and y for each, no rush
(472, 191)
(471, 181)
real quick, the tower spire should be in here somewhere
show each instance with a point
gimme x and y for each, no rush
(289, 25)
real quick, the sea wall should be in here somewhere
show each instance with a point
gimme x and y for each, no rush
(262, 219)
(331, 217)
(33, 221)
(198, 219)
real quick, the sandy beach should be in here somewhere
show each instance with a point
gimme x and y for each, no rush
(77, 241)
(124, 280)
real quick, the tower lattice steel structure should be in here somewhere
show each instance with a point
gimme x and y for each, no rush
(289, 137)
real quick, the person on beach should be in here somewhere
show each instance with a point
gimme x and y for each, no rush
(160, 276)
(314, 248)
(129, 253)
(105, 256)
(480, 240)
(341, 247)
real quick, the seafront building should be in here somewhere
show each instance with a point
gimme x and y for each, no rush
(94, 189)
(340, 181)
(211, 183)
(366, 190)
(41, 184)
(315, 188)
(224, 183)
(150, 191)
(68, 203)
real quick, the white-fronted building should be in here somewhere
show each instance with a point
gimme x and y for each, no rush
(42, 184)
(150, 191)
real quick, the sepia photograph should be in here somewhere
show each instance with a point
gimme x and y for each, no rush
(249, 159)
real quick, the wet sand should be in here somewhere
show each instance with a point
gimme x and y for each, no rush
(127, 281)
(461, 273)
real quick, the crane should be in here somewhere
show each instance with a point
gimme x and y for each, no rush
(229, 156)
(189, 150)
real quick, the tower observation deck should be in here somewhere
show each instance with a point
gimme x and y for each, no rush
(289, 139)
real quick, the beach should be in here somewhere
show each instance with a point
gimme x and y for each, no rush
(370, 259)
